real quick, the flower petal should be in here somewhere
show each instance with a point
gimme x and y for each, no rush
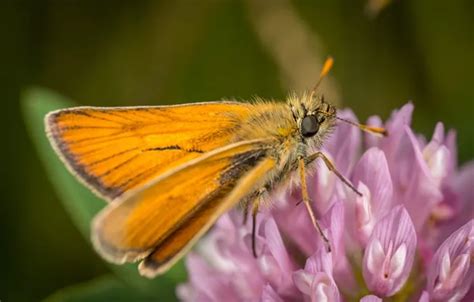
(451, 273)
(375, 256)
(206, 285)
(344, 143)
(370, 298)
(321, 261)
(450, 142)
(395, 127)
(316, 279)
(300, 230)
(389, 256)
(463, 187)
(398, 261)
(333, 223)
(276, 246)
(270, 295)
(437, 155)
(322, 185)
(370, 139)
(323, 289)
(373, 180)
(303, 280)
(418, 191)
(372, 169)
(425, 297)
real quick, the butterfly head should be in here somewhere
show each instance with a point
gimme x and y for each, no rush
(313, 116)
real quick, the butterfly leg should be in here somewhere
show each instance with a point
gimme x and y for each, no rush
(331, 168)
(255, 207)
(246, 203)
(245, 210)
(306, 200)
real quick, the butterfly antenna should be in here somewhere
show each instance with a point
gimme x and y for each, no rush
(324, 71)
(379, 131)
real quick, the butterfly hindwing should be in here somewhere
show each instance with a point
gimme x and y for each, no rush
(161, 220)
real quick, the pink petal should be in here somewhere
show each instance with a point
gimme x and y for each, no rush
(389, 256)
(373, 180)
(375, 256)
(363, 210)
(451, 273)
(395, 127)
(425, 297)
(185, 292)
(341, 268)
(321, 261)
(398, 261)
(300, 230)
(344, 143)
(333, 225)
(276, 246)
(207, 286)
(316, 279)
(450, 142)
(303, 280)
(323, 289)
(370, 298)
(438, 134)
(437, 155)
(420, 192)
(270, 295)
(322, 186)
(268, 266)
(457, 271)
(463, 186)
(372, 169)
(370, 139)
(438, 163)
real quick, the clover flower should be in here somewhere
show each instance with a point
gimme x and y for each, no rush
(409, 237)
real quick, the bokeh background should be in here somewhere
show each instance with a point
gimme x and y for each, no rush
(114, 53)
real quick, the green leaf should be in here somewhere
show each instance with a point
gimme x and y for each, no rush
(106, 288)
(81, 204)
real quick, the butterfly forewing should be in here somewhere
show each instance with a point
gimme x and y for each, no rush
(114, 150)
(170, 212)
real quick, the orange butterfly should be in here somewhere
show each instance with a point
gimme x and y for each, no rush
(170, 171)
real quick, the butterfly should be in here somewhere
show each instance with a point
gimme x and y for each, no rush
(169, 172)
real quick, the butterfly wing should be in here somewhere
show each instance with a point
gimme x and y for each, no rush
(161, 221)
(114, 150)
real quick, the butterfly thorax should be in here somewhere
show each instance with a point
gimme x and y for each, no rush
(294, 130)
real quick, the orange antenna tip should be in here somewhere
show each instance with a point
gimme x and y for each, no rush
(375, 130)
(370, 129)
(324, 71)
(326, 67)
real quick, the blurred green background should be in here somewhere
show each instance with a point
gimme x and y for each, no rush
(112, 53)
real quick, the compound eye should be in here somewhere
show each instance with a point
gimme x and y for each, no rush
(309, 126)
